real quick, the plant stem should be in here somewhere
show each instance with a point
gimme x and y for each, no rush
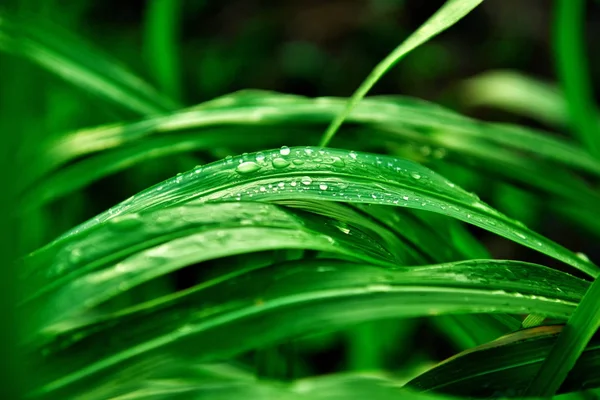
(572, 70)
(162, 52)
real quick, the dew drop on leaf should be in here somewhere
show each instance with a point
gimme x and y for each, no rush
(306, 180)
(338, 162)
(280, 163)
(323, 186)
(247, 167)
(284, 151)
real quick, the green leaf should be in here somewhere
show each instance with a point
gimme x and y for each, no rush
(297, 298)
(332, 387)
(569, 346)
(573, 72)
(450, 13)
(161, 44)
(505, 366)
(516, 93)
(500, 149)
(334, 175)
(133, 249)
(80, 64)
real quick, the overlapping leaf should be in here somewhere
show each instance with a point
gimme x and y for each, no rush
(506, 366)
(79, 63)
(335, 175)
(497, 148)
(296, 297)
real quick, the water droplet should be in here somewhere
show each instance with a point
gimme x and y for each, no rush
(247, 167)
(308, 151)
(322, 186)
(306, 180)
(260, 157)
(352, 155)
(338, 162)
(298, 161)
(281, 184)
(284, 151)
(343, 185)
(583, 256)
(280, 163)
(263, 189)
(405, 197)
(293, 183)
(415, 175)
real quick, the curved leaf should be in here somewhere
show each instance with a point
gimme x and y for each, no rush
(335, 175)
(297, 298)
(81, 64)
(450, 13)
(506, 366)
(498, 149)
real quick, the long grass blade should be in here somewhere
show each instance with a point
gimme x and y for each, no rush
(161, 44)
(516, 93)
(80, 64)
(570, 345)
(297, 297)
(334, 175)
(573, 72)
(497, 148)
(449, 14)
(505, 366)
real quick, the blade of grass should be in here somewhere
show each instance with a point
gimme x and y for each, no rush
(517, 93)
(505, 366)
(161, 44)
(334, 175)
(333, 387)
(143, 245)
(569, 346)
(450, 13)
(267, 108)
(296, 297)
(569, 44)
(497, 148)
(79, 63)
